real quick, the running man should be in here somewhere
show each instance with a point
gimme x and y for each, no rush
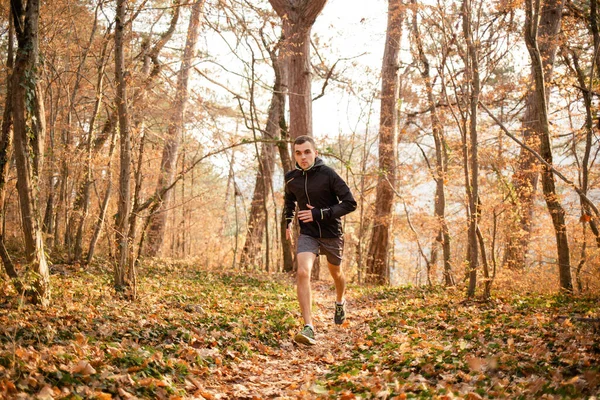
(323, 198)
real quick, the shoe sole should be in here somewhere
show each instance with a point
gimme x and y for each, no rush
(299, 338)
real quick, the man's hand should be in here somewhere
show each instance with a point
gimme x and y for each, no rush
(306, 215)
(288, 232)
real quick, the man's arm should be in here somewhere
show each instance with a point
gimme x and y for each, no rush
(346, 204)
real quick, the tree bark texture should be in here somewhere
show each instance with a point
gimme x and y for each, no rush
(122, 273)
(158, 221)
(377, 258)
(6, 154)
(557, 213)
(472, 73)
(29, 126)
(526, 175)
(298, 17)
(286, 163)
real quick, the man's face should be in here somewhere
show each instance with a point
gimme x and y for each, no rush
(305, 154)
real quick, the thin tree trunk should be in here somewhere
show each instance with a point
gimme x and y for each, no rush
(377, 258)
(472, 70)
(122, 272)
(102, 214)
(286, 162)
(526, 175)
(487, 280)
(441, 159)
(158, 221)
(5, 156)
(584, 165)
(83, 202)
(29, 124)
(555, 209)
(264, 175)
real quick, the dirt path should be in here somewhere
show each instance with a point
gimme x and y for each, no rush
(294, 370)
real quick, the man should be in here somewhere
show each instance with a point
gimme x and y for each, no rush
(322, 198)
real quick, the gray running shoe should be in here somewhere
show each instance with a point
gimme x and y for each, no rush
(340, 313)
(306, 336)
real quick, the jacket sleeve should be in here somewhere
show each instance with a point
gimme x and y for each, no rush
(346, 204)
(289, 202)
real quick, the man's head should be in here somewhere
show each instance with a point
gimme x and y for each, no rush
(305, 151)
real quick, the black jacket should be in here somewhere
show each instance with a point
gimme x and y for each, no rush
(322, 188)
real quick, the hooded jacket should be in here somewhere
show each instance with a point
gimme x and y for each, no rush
(321, 187)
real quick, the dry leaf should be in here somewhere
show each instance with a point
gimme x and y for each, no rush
(46, 393)
(84, 368)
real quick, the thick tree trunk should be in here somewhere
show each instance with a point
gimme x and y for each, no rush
(526, 175)
(29, 123)
(123, 274)
(158, 220)
(555, 209)
(298, 16)
(377, 258)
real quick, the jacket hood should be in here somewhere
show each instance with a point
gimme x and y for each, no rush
(318, 162)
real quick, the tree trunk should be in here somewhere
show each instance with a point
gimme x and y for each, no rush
(377, 258)
(526, 176)
(83, 202)
(102, 214)
(298, 18)
(441, 159)
(29, 124)
(158, 221)
(286, 163)
(555, 209)
(5, 155)
(472, 72)
(264, 175)
(584, 163)
(122, 273)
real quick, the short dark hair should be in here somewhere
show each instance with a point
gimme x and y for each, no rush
(303, 139)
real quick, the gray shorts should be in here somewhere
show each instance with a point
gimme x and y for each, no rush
(332, 248)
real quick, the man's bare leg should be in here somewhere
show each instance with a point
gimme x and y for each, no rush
(305, 264)
(337, 273)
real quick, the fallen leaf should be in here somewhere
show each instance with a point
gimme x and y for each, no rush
(84, 368)
(46, 393)
(328, 358)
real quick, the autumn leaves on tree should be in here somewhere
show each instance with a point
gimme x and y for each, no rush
(122, 126)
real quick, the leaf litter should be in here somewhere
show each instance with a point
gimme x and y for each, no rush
(219, 335)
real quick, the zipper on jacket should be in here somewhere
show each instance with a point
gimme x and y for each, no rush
(308, 198)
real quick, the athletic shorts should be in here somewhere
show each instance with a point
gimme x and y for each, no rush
(332, 248)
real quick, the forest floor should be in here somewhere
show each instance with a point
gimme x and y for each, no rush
(228, 335)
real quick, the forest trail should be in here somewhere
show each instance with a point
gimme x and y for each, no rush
(204, 334)
(294, 370)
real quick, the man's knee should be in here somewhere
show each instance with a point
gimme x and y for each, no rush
(303, 273)
(336, 271)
